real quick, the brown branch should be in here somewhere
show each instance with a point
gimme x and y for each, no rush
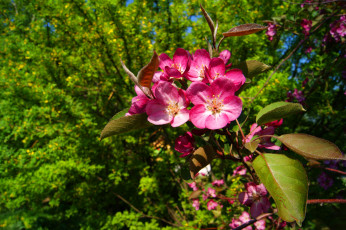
(143, 214)
(312, 3)
(321, 201)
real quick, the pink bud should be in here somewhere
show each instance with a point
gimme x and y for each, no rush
(185, 144)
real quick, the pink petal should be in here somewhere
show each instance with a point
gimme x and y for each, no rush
(181, 59)
(216, 68)
(157, 113)
(261, 189)
(201, 60)
(180, 118)
(237, 77)
(232, 107)
(225, 55)
(198, 93)
(165, 60)
(183, 100)
(138, 105)
(165, 92)
(157, 76)
(270, 146)
(217, 121)
(199, 115)
(172, 72)
(201, 57)
(222, 87)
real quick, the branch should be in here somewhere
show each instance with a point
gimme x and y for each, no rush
(321, 201)
(313, 3)
(288, 56)
(143, 214)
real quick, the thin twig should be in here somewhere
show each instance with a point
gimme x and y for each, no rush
(321, 201)
(241, 131)
(313, 3)
(288, 56)
(143, 214)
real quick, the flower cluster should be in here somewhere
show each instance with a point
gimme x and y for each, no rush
(264, 134)
(298, 95)
(271, 31)
(306, 24)
(244, 218)
(255, 197)
(211, 90)
(210, 193)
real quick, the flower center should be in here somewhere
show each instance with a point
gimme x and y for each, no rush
(201, 72)
(178, 67)
(215, 105)
(173, 108)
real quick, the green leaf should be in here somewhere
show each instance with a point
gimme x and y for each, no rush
(201, 158)
(252, 145)
(311, 147)
(145, 75)
(277, 110)
(125, 124)
(286, 181)
(120, 114)
(244, 29)
(251, 68)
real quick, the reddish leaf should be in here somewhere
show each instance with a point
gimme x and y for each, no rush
(145, 75)
(195, 194)
(244, 29)
(209, 20)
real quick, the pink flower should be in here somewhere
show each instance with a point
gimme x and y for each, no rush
(169, 106)
(265, 140)
(306, 24)
(177, 67)
(193, 186)
(217, 69)
(275, 124)
(215, 105)
(195, 204)
(308, 50)
(338, 28)
(185, 144)
(248, 158)
(217, 182)
(260, 224)
(200, 61)
(271, 31)
(235, 223)
(211, 205)
(244, 218)
(211, 192)
(240, 170)
(255, 196)
(139, 102)
(225, 55)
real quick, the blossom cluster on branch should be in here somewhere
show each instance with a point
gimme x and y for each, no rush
(208, 83)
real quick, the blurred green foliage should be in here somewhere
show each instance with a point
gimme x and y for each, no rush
(61, 81)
